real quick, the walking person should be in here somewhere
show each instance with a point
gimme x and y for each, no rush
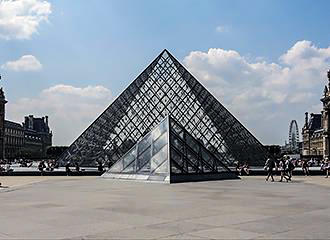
(305, 167)
(77, 167)
(246, 168)
(100, 167)
(269, 167)
(326, 167)
(41, 167)
(283, 170)
(290, 167)
(67, 169)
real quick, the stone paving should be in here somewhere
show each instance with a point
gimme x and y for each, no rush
(96, 208)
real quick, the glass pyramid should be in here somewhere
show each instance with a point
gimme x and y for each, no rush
(164, 87)
(169, 154)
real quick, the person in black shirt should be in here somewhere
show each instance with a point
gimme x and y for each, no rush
(41, 166)
(67, 169)
(100, 167)
(269, 167)
(77, 167)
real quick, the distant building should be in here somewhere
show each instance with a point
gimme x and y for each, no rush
(313, 136)
(30, 139)
(14, 139)
(2, 123)
(37, 137)
(316, 129)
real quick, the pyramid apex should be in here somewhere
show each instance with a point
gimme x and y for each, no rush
(165, 51)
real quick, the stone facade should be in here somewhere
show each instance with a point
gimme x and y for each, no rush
(30, 139)
(37, 137)
(2, 123)
(316, 129)
(14, 138)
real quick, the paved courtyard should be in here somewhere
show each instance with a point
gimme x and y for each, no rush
(96, 208)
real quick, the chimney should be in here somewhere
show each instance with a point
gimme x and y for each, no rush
(30, 126)
(47, 121)
(306, 119)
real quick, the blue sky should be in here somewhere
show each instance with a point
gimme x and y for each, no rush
(105, 44)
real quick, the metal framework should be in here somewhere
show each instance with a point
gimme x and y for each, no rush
(294, 136)
(170, 154)
(164, 87)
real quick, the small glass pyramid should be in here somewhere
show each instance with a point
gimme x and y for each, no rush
(169, 154)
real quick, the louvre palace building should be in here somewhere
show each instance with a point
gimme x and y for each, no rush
(31, 139)
(316, 129)
(165, 126)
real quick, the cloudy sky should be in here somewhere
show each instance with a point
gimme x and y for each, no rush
(266, 61)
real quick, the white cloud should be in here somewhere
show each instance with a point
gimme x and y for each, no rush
(26, 63)
(19, 19)
(266, 96)
(221, 29)
(70, 109)
(97, 92)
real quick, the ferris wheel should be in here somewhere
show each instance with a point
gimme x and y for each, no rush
(294, 136)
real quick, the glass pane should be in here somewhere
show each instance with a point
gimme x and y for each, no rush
(176, 157)
(129, 157)
(144, 160)
(177, 143)
(177, 129)
(159, 143)
(162, 168)
(192, 157)
(192, 143)
(117, 167)
(144, 143)
(174, 169)
(207, 161)
(160, 157)
(221, 169)
(130, 168)
(207, 167)
(159, 130)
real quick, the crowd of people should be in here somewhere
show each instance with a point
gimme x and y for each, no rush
(243, 169)
(69, 165)
(285, 166)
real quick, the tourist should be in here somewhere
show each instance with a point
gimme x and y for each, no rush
(100, 167)
(245, 168)
(8, 168)
(23, 164)
(283, 169)
(41, 166)
(290, 167)
(326, 167)
(56, 164)
(2, 169)
(77, 167)
(67, 169)
(305, 167)
(238, 167)
(50, 165)
(269, 167)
